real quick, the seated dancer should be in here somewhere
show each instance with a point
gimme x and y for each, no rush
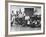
(27, 20)
(20, 16)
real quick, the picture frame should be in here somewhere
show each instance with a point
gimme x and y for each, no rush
(24, 6)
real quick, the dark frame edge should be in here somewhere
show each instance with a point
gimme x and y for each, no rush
(26, 2)
(44, 18)
(6, 19)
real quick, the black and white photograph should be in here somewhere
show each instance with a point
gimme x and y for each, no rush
(25, 18)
